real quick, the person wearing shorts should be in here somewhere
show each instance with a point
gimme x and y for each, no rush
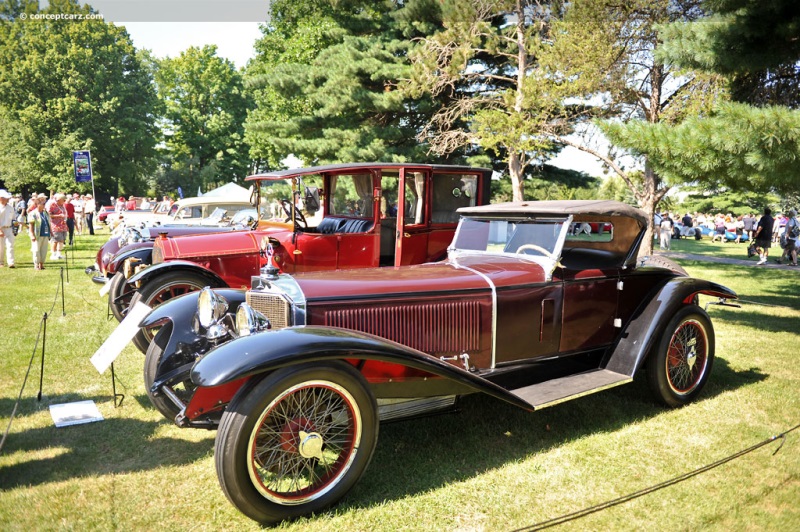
(763, 235)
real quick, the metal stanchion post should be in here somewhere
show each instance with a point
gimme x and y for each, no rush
(44, 341)
(63, 304)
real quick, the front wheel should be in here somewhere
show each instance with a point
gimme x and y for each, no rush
(162, 288)
(680, 367)
(296, 441)
(119, 295)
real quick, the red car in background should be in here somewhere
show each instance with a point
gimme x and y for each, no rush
(105, 210)
(332, 217)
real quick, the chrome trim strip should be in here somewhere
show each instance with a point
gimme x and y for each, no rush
(454, 262)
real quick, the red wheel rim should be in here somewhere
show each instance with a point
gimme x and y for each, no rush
(304, 442)
(687, 357)
(172, 290)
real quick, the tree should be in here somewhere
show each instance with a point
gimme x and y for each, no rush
(68, 85)
(333, 69)
(621, 77)
(484, 66)
(734, 146)
(755, 44)
(205, 108)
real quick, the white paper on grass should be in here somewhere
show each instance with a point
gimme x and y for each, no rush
(118, 339)
(67, 414)
(106, 288)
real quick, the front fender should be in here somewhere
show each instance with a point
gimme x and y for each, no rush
(259, 353)
(644, 330)
(174, 265)
(142, 253)
(177, 315)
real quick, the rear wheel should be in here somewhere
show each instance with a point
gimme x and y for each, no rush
(162, 288)
(297, 441)
(680, 367)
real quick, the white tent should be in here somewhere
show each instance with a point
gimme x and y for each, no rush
(230, 190)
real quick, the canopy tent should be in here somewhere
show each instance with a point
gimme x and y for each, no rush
(229, 190)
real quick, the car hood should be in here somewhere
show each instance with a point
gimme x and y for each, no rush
(463, 274)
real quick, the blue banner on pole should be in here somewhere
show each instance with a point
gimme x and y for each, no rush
(83, 165)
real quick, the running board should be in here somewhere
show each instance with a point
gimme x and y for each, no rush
(556, 391)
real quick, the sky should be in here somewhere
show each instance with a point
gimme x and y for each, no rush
(235, 41)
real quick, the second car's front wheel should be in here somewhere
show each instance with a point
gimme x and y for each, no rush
(681, 364)
(163, 288)
(297, 441)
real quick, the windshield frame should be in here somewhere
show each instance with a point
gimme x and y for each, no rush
(548, 263)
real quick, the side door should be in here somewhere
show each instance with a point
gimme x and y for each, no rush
(411, 232)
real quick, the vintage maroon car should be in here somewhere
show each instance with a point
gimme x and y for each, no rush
(344, 216)
(297, 371)
(121, 256)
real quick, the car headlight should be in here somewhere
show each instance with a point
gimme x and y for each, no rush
(250, 321)
(211, 309)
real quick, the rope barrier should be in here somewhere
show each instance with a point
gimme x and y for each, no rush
(625, 498)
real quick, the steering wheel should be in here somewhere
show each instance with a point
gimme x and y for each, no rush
(287, 208)
(534, 247)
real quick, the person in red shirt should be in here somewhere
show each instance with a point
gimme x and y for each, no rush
(70, 208)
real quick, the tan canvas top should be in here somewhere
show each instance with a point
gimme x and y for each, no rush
(578, 208)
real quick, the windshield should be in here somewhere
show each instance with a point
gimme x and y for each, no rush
(542, 238)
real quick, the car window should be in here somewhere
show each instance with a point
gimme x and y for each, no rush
(415, 194)
(450, 192)
(527, 237)
(351, 195)
(591, 232)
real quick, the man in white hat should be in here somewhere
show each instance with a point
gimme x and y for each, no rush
(7, 215)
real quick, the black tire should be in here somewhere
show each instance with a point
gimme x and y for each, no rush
(162, 288)
(682, 362)
(120, 294)
(184, 390)
(258, 442)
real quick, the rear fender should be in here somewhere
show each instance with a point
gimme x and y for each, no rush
(268, 351)
(177, 265)
(649, 322)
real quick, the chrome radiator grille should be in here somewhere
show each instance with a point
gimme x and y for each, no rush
(271, 305)
(450, 327)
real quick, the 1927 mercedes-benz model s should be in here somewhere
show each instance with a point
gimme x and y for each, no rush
(297, 371)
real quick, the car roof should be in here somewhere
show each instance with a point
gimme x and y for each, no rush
(603, 208)
(343, 167)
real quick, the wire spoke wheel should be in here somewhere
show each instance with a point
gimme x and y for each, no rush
(682, 361)
(687, 357)
(296, 441)
(304, 441)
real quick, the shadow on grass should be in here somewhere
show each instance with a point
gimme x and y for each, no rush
(751, 316)
(115, 445)
(416, 456)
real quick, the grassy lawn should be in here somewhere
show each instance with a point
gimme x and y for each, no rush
(488, 467)
(719, 249)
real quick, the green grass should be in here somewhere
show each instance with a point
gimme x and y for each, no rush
(488, 467)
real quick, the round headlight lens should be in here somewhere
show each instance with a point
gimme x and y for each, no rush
(211, 308)
(250, 321)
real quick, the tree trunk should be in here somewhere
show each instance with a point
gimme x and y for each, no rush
(649, 202)
(515, 170)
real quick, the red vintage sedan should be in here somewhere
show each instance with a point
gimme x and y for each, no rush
(342, 216)
(297, 371)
